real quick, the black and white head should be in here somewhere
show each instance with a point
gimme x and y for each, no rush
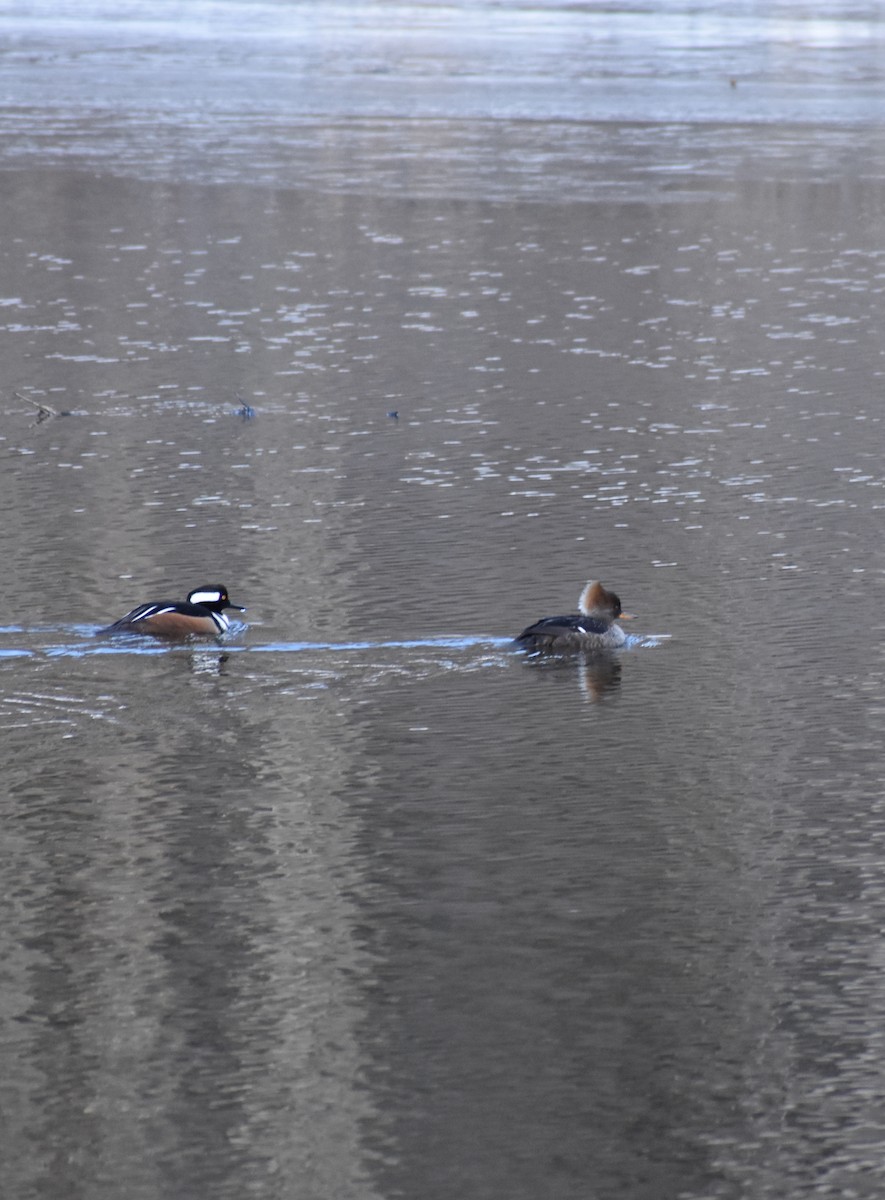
(214, 597)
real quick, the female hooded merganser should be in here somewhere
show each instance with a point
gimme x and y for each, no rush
(201, 613)
(592, 629)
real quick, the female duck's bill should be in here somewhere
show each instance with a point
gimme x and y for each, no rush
(202, 614)
(591, 629)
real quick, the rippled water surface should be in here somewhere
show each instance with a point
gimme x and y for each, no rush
(403, 321)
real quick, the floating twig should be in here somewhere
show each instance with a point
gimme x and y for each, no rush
(246, 411)
(44, 411)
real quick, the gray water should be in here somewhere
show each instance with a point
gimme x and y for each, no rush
(359, 904)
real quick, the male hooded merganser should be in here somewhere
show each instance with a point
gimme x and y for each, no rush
(201, 613)
(592, 629)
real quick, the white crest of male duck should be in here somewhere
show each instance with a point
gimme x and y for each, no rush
(594, 628)
(202, 614)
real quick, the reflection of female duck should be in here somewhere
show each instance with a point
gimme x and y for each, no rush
(201, 613)
(591, 629)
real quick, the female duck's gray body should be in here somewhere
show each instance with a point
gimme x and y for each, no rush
(592, 629)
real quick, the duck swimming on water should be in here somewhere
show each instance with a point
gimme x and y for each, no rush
(202, 613)
(592, 629)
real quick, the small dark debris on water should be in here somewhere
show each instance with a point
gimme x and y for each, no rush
(246, 412)
(45, 412)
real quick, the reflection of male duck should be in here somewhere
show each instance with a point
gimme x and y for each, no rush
(201, 613)
(592, 629)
